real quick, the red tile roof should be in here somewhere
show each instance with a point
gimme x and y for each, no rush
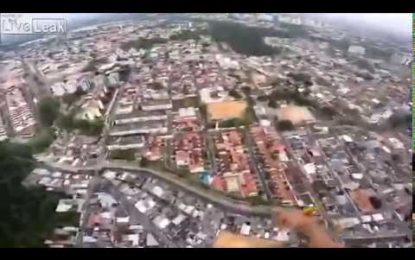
(219, 183)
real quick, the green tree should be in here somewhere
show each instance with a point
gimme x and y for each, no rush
(257, 200)
(263, 98)
(185, 35)
(66, 122)
(243, 39)
(365, 64)
(328, 111)
(285, 125)
(127, 155)
(91, 66)
(92, 128)
(157, 86)
(307, 92)
(144, 162)
(235, 94)
(125, 73)
(48, 111)
(301, 77)
(42, 140)
(203, 111)
(396, 158)
(69, 99)
(246, 90)
(272, 103)
(182, 173)
(399, 120)
(27, 214)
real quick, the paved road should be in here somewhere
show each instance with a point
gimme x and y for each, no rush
(257, 165)
(310, 188)
(386, 206)
(230, 204)
(86, 211)
(210, 196)
(402, 228)
(39, 88)
(336, 176)
(138, 217)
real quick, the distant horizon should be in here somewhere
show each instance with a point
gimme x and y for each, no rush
(391, 24)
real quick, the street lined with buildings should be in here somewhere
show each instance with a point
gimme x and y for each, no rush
(165, 137)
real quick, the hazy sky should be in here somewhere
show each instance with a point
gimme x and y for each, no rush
(396, 22)
(393, 22)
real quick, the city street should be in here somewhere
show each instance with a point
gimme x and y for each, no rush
(214, 198)
(138, 217)
(259, 167)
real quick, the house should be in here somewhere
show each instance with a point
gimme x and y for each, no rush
(86, 84)
(113, 79)
(232, 182)
(161, 104)
(140, 116)
(21, 117)
(91, 110)
(126, 142)
(58, 89)
(148, 127)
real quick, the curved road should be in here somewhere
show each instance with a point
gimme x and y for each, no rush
(207, 195)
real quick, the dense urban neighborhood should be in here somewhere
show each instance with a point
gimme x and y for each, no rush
(164, 132)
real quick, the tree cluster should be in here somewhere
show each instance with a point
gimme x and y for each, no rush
(27, 214)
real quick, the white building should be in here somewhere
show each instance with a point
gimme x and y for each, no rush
(396, 143)
(226, 62)
(151, 127)
(145, 205)
(141, 117)
(137, 143)
(290, 19)
(245, 229)
(113, 79)
(187, 112)
(86, 84)
(161, 222)
(157, 105)
(356, 50)
(209, 95)
(91, 110)
(378, 117)
(58, 89)
(71, 86)
(265, 17)
(21, 117)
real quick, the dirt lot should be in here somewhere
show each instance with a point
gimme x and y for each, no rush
(226, 109)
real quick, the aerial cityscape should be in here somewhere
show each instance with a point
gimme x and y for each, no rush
(178, 130)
